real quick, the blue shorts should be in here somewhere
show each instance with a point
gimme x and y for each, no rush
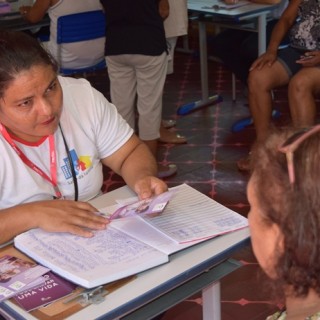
(288, 57)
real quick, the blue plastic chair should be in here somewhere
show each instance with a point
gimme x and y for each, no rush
(78, 27)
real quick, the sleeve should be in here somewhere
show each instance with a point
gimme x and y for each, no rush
(93, 118)
(111, 130)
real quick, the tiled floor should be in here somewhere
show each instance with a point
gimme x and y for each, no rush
(208, 163)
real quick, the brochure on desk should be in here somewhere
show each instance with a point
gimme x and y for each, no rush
(133, 244)
(17, 275)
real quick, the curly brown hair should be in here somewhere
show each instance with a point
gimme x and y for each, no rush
(294, 208)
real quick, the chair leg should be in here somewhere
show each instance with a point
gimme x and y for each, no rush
(234, 89)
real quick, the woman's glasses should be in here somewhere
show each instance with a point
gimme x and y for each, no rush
(291, 145)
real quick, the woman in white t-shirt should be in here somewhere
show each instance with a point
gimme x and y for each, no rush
(56, 133)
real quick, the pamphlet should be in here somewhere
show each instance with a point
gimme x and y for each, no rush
(149, 206)
(53, 288)
(17, 274)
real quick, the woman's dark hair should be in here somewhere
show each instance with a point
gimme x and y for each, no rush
(19, 52)
(294, 208)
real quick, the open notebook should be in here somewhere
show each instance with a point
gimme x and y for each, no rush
(132, 244)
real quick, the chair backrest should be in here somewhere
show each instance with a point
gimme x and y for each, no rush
(78, 27)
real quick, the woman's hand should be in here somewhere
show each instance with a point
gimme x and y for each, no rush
(267, 58)
(79, 218)
(149, 186)
(310, 59)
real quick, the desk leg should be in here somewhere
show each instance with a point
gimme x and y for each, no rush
(262, 34)
(211, 302)
(206, 100)
(203, 60)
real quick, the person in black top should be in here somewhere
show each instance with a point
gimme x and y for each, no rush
(136, 53)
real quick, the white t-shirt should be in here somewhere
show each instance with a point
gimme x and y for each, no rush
(93, 130)
(78, 54)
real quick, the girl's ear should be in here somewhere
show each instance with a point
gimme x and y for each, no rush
(278, 236)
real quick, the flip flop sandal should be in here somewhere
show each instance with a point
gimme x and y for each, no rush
(168, 123)
(177, 139)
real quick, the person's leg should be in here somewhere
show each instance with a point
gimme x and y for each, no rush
(303, 88)
(151, 75)
(123, 86)
(168, 136)
(171, 48)
(260, 85)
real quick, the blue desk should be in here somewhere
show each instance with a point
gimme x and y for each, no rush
(198, 268)
(228, 18)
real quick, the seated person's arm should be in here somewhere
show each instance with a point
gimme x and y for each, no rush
(135, 163)
(51, 215)
(35, 13)
(285, 22)
(279, 31)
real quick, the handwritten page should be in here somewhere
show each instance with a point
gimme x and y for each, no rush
(189, 217)
(109, 255)
(138, 228)
(193, 216)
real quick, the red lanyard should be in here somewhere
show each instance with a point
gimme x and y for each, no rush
(29, 163)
